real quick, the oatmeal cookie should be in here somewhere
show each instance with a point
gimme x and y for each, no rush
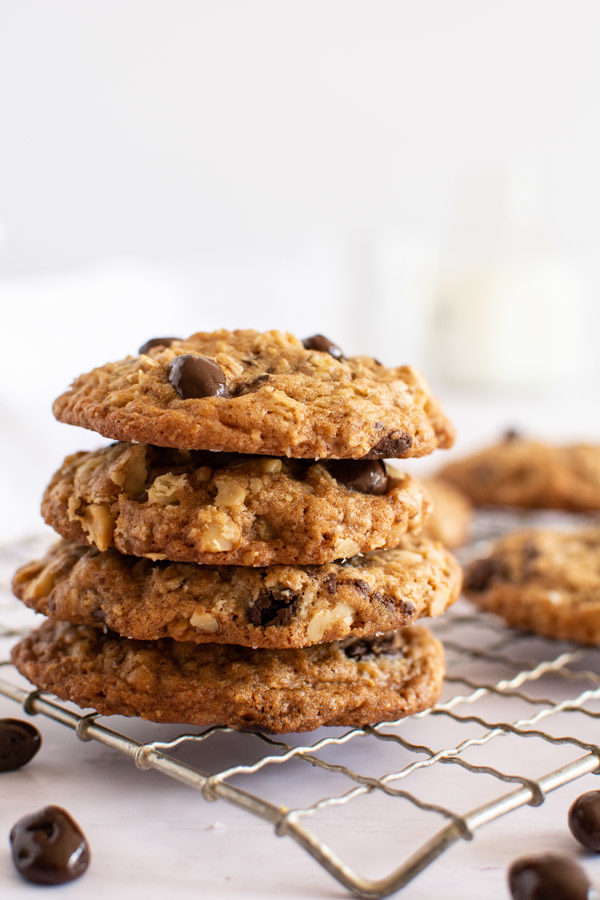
(203, 507)
(542, 581)
(452, 513)
(277, 606)
(526, 473)
(355, 682)
(252, 392)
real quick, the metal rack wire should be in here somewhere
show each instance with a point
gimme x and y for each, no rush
(524, 690)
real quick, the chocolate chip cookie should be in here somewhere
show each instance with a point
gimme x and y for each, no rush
(252, 392)
(542, 581)
(197, 506)
(452, 513)
(277, 606)
(355, 682)
(521, 472)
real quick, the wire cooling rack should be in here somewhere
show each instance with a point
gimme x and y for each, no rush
(531, 703)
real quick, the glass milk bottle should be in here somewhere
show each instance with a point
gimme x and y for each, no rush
(508, 313)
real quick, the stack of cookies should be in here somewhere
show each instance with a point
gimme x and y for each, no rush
(242, 555)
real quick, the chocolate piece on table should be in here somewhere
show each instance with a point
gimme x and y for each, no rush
(19, 742)
(48, 847)
(584, 820)
(548, 877)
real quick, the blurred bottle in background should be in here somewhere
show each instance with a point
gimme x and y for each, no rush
(508, 311)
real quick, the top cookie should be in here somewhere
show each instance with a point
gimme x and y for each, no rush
(252, 392)
(520, 472)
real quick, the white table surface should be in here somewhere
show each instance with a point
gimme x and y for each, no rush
(151, 837)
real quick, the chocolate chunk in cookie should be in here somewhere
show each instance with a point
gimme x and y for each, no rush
(366, 476)
(273, 606)
(380, 645)
(483, 572)
(392, 445)
(157, 342)
(250, 387)
(323, 344)
(196, 376)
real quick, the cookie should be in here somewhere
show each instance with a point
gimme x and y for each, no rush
(278, 606)
(542, 581)
(452, 513)
(196, 506)
(352, 683)
(252, 392)
(521, 472)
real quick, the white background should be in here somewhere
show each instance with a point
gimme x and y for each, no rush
(179, 129)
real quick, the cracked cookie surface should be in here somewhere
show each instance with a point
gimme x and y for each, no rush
(212, 508)
(526, 473)
(253, 392)
(542, 581)
(277, 606)
(353, 683)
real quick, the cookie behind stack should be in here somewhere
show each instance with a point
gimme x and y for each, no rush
(531, 474)
(254, 562)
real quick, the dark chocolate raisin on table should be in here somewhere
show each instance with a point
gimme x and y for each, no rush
(49, 847)
(548, 877)
(584, 820)
(19, 742)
